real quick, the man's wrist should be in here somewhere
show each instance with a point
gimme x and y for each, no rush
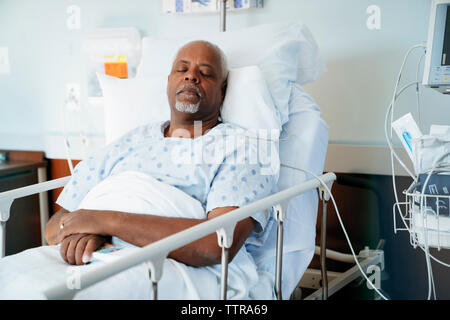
(113, 221)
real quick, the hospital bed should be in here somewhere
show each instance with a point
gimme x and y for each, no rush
(302, 148)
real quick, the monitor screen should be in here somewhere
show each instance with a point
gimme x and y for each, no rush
(437, 64)
(446, 48)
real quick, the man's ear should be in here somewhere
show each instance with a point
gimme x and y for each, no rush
(224, 89)
(167, 87)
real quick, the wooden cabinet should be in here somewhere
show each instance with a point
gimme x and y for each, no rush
(58, 168)
(23, 228)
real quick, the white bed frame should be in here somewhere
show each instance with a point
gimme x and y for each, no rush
(155, 253)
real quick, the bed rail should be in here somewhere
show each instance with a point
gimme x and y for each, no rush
(155, 253)
(8, 197)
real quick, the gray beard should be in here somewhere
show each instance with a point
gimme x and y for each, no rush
(187, 107)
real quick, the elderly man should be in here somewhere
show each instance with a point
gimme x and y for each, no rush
(196, 89)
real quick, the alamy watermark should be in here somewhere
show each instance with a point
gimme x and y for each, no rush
(373, 273)
(238, 146)
(73, 281)
(374, 20)
(73, 21)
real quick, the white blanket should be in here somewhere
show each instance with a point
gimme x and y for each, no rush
(27, 274)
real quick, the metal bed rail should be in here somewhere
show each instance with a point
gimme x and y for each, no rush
(7, 198)
(155, 253)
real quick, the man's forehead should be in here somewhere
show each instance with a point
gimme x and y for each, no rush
(207, 54)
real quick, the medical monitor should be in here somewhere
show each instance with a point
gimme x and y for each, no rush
(437, 63)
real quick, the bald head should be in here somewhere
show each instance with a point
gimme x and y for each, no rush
(220, 54)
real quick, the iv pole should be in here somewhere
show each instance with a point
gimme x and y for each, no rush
(223, 14)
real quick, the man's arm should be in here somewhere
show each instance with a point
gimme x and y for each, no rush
(143, 229)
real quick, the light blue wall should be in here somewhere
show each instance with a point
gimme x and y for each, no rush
(353, 95)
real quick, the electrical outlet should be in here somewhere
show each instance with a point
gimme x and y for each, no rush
(73, 96)
(4, 60)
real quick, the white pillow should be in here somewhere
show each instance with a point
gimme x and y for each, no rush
(133, 102)
(137, 101)
(248, 102)
(285, 52)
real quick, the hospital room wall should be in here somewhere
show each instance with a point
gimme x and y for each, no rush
(353, 95)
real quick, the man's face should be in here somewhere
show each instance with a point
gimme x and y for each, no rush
(196, 86)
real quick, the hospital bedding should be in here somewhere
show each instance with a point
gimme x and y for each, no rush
(27, 274)
(306, 131)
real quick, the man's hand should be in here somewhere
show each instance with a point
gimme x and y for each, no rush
(78, 248)
(52, 227)
(84, 221)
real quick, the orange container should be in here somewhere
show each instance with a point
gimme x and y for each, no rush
(117, 68)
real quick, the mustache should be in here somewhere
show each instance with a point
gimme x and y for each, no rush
(189, 87)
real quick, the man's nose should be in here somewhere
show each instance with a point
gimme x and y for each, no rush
(191, 76)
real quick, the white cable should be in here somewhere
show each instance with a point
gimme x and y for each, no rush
(83, 136)
(66, 140)
(395, 96)
(388, 139)
(393, 153)
(342, 225)
(69, 159)
(419, 116)
(391, 106)
(425, 230)
(399, 77)
(391, 109)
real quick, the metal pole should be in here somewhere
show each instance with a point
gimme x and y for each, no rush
(155, 290)
(323, 248)
(278, 271)
(223, 15)
(154, 285)
(224, 278)
(43, 204)
(2, 238)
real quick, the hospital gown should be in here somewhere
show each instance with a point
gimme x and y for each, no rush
(221, 168)
(224, 167)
